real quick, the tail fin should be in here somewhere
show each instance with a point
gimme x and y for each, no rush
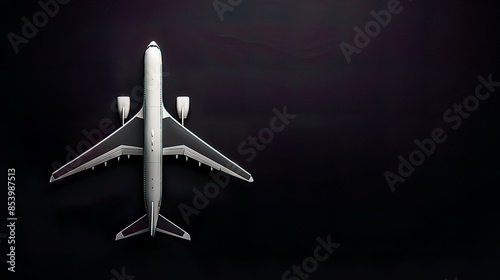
(163, 226)
(167, 227)
(137, 227)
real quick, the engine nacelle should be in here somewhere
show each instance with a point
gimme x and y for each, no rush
(182, 107)
(123, 103)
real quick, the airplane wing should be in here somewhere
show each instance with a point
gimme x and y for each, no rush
(127, 140)
(178, 140)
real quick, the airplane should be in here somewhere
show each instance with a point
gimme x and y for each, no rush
(152, 133)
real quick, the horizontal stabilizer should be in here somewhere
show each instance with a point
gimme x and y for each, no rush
(137, 227)
(167, 227)
(164, 226)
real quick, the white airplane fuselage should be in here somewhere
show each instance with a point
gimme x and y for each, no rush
(143, 135)
(153, 114)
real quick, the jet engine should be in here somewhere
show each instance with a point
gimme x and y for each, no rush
(123, 103)
(182, 107)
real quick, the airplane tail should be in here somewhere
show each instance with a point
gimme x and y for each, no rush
(164, 226)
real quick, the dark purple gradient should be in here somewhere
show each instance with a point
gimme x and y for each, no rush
(323, 174)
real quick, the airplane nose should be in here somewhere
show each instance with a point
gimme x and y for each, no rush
(153, 43)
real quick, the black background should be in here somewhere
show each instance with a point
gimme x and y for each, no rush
(322, 175)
